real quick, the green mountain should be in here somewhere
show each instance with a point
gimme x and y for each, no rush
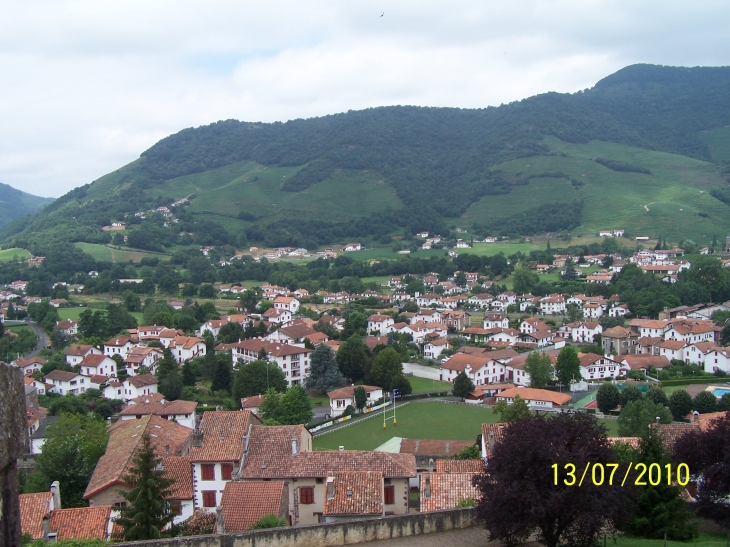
(15, 204)
(647, 149)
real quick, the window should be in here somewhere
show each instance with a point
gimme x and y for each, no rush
(226, 471)
(175, 508)
(306, 495)
(389, 495)
(208, 471)
(209, 498)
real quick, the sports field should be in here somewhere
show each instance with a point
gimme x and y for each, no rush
(424, 385)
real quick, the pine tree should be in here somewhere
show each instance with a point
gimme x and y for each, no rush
(463, 385)
(361, 398)
(222, 373)
(148, 510)
(324, 374)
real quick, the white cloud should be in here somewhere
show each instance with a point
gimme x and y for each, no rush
(88, 85)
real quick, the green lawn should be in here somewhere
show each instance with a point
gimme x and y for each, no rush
(9, 255)
(387, 252)
(71, 313)
(415, 421)
(491, 249)
(705, 540)
(107, 254)
(424, 385)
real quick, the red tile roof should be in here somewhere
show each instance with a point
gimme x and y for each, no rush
(244, 503)
(159, 408)
(354, 493)
(459, 466)
(180, 469)
(446, 490)
(223, 435)
(33, 507)
(124, 438)
(497, 429)
(349, 391)
(81, 522)
(532, 394)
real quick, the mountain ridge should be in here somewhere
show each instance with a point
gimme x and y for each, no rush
(15, 203)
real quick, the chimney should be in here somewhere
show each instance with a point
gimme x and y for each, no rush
(56, 495)
(197, 434)
(427, 489)
(46, 526)
(491, 442)
(294, 447)
(167, 450)
(220, 527)
(330, 488)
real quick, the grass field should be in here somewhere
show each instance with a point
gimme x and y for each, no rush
(107, 254)
(387, 252)
(491, 249)
(415, 421)
(74, 313)
(424, 385)
(9, 255)
(704, 540)
(667, 201)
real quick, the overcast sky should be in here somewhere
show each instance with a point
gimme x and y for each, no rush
(86, 86)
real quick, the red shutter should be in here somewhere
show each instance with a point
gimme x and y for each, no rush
(226, 471)
(389, 495)
(306, 495)
(208, 471)
(208, 498)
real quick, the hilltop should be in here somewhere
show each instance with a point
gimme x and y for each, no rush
(647, 149)
(16, 203)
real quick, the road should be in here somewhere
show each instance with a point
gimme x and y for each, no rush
(42, 336)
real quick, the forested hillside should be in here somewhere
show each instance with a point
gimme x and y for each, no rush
(15, 204)
(536, 165)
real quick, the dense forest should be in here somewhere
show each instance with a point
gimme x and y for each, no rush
(438, 160)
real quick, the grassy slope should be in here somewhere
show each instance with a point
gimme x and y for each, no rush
(8, 255)
(675, 192)
(247, 186)
(107, 254)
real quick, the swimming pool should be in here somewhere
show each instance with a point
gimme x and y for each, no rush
(720, 391)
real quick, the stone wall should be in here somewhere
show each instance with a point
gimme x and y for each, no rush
(325, 535)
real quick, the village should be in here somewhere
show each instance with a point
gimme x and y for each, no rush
(231, 467)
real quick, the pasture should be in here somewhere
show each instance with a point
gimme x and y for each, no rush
(14, 254)
(104, 253)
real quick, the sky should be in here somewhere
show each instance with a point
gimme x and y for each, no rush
(87, 86)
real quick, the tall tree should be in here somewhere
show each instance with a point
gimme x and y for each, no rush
(707, 453)
(524, 281)
(256, 377)
(511, 413)
(222, 373)
(463, 385)
(680, 404)
(355, 325)
(521, 468)
(148, 510)
(607, 397)
(324, 374)
(657, 395)
(637, 416)
(72, 447)
(540, 368)
(704, 402)
(568, 365)
(352, 358)
(387, 369)
(361, 398)
(659, 509)
(630, 393)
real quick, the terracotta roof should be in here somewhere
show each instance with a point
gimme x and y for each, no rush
(649, 340)
(616, 332)
(497, 429)
(459, 362)
(159, 408)
(33, 507)
(180, 469)
(671, 432)
(587, 359)
(433, 448)
(154, 397)
(445, 490)
(79, 350)
(373, 341)
(252, 402)
(533, 394)
(81, 522)
(636, 362)
(124, 438)
(354, 493)
(142, 380)
(459, 466)
(520, 361)
(270, 456)
(705, 420)
(61, 375)
(276, 349)
(298, 331)
(118, 341)
(349, 391)
(185, 342)
(244, 503)
(22, 362)
(673, 344)
(631, 441)
(223, 435)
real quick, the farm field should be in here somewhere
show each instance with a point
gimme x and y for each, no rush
(103, 253)
(667, 201)
(491, 249)
(387, 252)
(415, 421)
(704, 540)
(74, 313)
(9, 255)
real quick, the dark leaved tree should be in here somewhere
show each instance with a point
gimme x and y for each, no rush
(463, 385)
(607, 397)
(680, 404)
(324, 374)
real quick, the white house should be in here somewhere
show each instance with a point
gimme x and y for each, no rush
(68, 383)
(481, 300)
(618, 311)
(495, 321)
(131, 388)
(29, 365)
(341, 398)
(426, 300)
(553, 304)
(537, 399)
(593, 311)
(182, 412)
(277, 315)
(717, 359)
(474, 366)
(352, 247)
(184, 348)
(383, 324)
(672, 349)
(433, 349)
(142, 357)
(287, 303)
(581, 331)
(98, 365)
(76, 353)
(292, 359)
(118, 346)
(598, 367)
